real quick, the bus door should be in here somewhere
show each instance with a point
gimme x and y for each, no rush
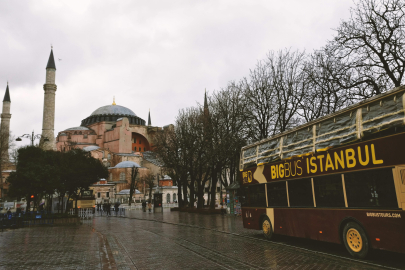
(399, 178)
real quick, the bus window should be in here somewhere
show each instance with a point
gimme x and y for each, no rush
(243, 197)
(329, 191)
(257, 196)
(371, 189)
(300, 193)
(277, 194)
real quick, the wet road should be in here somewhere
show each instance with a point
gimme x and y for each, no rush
(170, 241)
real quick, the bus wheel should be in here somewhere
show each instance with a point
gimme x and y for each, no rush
(355, 240)
(267, 228)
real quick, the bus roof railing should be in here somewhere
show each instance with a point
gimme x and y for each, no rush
(355, 122)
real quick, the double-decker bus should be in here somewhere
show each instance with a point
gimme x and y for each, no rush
(339, 179)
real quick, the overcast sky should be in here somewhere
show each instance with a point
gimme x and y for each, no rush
(148, 54)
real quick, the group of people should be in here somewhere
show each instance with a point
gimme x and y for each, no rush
(107, 207)
(149, 204)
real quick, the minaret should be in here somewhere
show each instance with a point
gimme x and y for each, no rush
(47, 141)
(149, 121)
(206, 111)
(5, 125)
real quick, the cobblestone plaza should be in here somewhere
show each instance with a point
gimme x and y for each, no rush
(168, 241)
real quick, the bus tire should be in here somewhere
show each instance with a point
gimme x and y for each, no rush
(355, 240)
(267, 228)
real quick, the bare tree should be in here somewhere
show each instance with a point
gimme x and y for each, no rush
(288, 82)
(259, 97)
(167, 145)
(69, 145)
(149, 180)
(322, 94)
(371, 47)
(196, 143)
(228, 134)
(274, 92)
(134, 182)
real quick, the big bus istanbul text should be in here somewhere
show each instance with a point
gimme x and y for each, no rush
(328, 162)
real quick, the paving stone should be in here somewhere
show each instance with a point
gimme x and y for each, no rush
(156, 241)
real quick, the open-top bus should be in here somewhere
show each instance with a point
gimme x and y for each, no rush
(340, 178)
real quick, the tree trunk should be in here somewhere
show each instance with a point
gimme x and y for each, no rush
(28, 208)
(209, 192)
(67, 204)
(200, 196)
(179, 199)
(231, 174)
(150, 194)
(76, 206)
(60, 206)
(134, 173)
(214, 181)
(192, 194)
(185, 199)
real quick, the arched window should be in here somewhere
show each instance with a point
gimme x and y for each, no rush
(122, 176)
(174, 197)
(111, 177)
(168, 197)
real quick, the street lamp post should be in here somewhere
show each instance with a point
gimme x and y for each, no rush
(32, 137)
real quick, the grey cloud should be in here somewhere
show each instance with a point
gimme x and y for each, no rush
(149, 54)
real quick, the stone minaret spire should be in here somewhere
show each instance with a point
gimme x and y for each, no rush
(5, 124)
(48, 137)
(149, 121)
(206, 111)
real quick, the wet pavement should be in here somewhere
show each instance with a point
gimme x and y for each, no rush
(168, 240)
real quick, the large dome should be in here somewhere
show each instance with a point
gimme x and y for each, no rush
(112, 113)
(112, 110)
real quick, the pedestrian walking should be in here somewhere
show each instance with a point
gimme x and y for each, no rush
(108, 209)
(144, 206)
(116, 205)
(104, 208)
(150, 206)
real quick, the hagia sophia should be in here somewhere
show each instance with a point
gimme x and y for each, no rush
(113, 134)
(113, 127)
(118, 137)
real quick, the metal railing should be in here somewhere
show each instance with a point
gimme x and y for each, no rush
(83, 213)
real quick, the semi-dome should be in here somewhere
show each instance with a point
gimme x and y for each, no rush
(126, 192)
(113, 110)
(77, 128)
(91, 148)
(127, 164)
